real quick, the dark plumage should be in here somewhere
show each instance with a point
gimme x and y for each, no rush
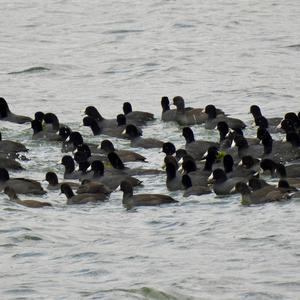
(119, 167)
(92, 111)
(52, 122)
(173, 180)
(93, 124)
(196, 148)
(249, 197)
(70, 173)
(39, 133)
(238, 171)
(20, 185)
(292, 170)
(136, 117)
(93, 187)
(125, 155)
(137, 141)
(244, 149)
(167, 114)
(81, 198)
(256, 113)
(268, 165)
(191, 190)
(110, 131)
(111, 179)
(39, 116)
(129, 200)
(7, 115)
(53, 183)
(214, 119)
(7, 146)
(75, 139)
(10, 192)
(10, 164)
(169, 148)
(187, 117)
(223, 185)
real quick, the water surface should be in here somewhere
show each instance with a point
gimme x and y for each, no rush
(61, 56)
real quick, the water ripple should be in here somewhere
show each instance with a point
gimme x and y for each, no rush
(31, 70)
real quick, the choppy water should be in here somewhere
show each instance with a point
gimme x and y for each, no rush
(61, 56)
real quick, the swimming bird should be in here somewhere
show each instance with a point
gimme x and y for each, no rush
(213, 119)
(10, 192)
(256, 113)
(249, 197)
(10, 164)
(39, 133)
(7, 115)
(226, 136)
(92, 111)
(93, 187)
(119, 167)
(53, 183)
(83, 153)
(70, 173)
(173, 181)
(136, 140)
(167, 114)
(8, 146)
(75, 138)
(110, 131)
(198, 176)
(291, 123)
(93, 124)
(20, 185)
(196, 148)
(260, 184)
(268, 166)
(188, 117)
(64, 132)
(191, 190)
(292, 170)
(238, 171)
(244, 149)
(290, 173)
(129, 200)
(262, 122)
(39, 116)
(169, 148)
(111, 179)
(81, 198)
(125, 155)
(52, 122)
(284, 186)
(222, 185)
(136, 117)
(250, 163)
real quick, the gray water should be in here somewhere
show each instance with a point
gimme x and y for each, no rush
(61, 56)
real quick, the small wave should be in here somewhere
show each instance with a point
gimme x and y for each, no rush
(122, 31)
(183, 25)
(8, 245)
(152, 293)
(295, 46)
(31, 70)
(32, 238)
(28, 254)
(84, 254)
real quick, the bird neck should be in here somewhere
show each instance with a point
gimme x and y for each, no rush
(95, 128)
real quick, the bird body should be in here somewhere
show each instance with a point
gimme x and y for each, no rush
(10, 192)
(129, 200)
